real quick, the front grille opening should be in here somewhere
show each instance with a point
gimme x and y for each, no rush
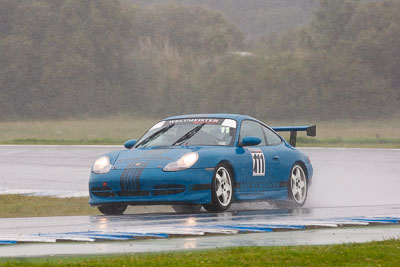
(168, 189)
(102, 192)
(134, 193)
(169, 186)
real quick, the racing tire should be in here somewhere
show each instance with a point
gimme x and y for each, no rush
(221, 189)
(187, 208)
(297, 189)
(112, 209)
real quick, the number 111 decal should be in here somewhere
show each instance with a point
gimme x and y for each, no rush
(258, 162)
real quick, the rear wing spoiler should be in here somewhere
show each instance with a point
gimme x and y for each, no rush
(311, 131)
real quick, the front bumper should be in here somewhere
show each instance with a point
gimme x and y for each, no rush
(149, 186)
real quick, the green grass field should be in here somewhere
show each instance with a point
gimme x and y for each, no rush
(117, 129)
(386, 253)
(14, 206)
(110, 130)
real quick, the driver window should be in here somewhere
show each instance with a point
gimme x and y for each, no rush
(252, 128)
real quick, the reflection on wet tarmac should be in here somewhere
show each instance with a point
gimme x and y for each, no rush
(191, 221)
(102, 223)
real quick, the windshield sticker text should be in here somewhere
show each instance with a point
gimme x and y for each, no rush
(194, 121)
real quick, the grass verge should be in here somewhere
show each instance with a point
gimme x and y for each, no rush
(385, 253)
(361, 142)
(33, 141)
(16, 206)
(115, 130)
(13, 206)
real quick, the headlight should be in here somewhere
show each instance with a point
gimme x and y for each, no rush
(186, 161)
(102, 165)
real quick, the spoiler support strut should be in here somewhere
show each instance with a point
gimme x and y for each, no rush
(311, 131)
(293, 138)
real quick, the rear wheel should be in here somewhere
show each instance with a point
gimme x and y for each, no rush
(221, 189)
(297, 189)
(187, 208)
(112, 209)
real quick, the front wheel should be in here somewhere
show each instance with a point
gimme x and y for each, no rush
(221, 189)
(112, 209)
(297, 189)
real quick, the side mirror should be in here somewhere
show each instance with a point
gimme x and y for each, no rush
(250, 141)
(130, 143)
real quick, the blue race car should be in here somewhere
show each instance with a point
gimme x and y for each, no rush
(204, 160)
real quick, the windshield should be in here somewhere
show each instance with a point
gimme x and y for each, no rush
(190, 132)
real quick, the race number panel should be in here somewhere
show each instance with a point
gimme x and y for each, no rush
(258, 162)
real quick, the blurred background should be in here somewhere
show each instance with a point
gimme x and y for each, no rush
(277, 60)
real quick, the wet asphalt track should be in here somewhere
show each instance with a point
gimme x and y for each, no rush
(166, 232)
(352, 187)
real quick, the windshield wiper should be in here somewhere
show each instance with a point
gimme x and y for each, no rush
(155, 135)
(188, 135)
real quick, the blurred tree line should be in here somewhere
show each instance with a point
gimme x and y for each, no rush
(255, 17)
(70, 58)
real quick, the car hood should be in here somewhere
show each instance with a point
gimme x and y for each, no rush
(150, 157)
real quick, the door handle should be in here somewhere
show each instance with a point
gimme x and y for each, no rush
(276, 157)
